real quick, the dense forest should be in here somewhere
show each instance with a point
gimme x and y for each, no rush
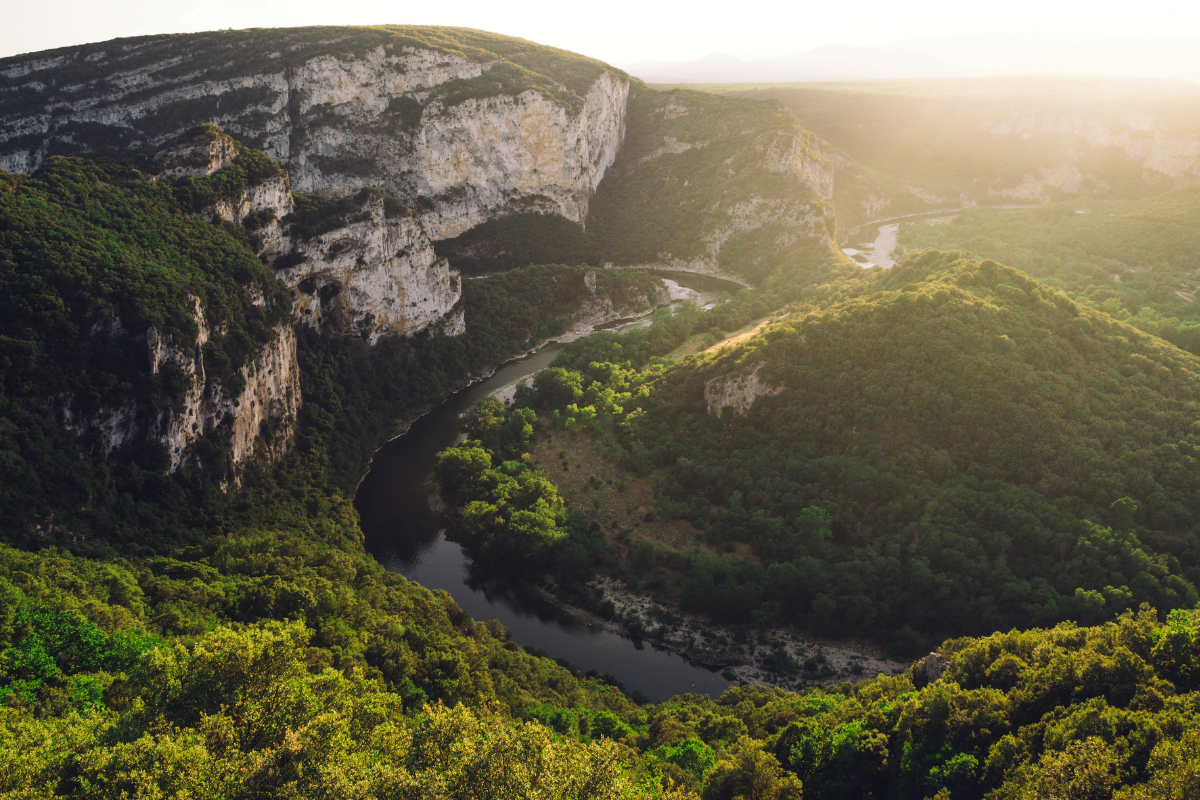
(881, 498)
(130, 564)
(92, 254)
(1135, 260)
(168, 677)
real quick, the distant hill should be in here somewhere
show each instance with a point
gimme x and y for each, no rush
(960, 55)
(828, 63)
(1135, 259)
(1007, 140)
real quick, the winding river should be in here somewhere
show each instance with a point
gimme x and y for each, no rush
(407, 536)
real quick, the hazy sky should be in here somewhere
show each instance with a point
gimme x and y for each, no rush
(617, 31)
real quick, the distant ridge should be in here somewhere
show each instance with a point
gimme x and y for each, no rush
(943, 56)
(835, 62)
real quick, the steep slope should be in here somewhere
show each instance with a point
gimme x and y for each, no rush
(711, 184)
(961, 450)
(714, 185)
(154, 324)
(468, 129)
(360, 265)
(164, 316)
(142, 325)
(460, 124)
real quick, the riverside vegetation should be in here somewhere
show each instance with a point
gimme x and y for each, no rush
(165, 635)
(966, 543)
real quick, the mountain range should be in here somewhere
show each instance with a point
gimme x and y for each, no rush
(961, 55)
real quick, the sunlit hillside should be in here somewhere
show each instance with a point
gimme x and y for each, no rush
(1009, 140)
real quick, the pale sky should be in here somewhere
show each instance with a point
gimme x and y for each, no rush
(616, 31)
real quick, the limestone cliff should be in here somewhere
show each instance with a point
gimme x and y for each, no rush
(1166, 157)
(716, 185)
(598, 307)
(360, 266)
(253, 412)
(374, 276)
(462, 126)
(737, 391)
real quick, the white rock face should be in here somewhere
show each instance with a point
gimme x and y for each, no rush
(270, 394)
(1166, 157)
(369, 278)
(372, 278)
(1036, 185)
(521, 153)
(338, 122)
(1138, 134)
(798, 220)
(599, 309)
(801, 160)
(198, 158)
(737, 391)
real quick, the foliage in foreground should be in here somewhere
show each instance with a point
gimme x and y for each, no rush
(129, 707)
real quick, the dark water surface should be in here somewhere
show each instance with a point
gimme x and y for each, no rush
(408, 537)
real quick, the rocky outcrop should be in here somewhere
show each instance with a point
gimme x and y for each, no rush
(1165, 157)
(371, 273)
(796, 156)
(598, 308)
(1042, 184)
(374, 277)
(254, 410)
(933, 665)
(523, 153)
(737, 391)
(814, 220)
(340, 109)
(207, 151)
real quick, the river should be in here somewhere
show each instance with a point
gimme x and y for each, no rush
(407, 536)
(878, 252)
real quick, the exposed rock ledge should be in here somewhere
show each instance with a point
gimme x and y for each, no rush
(375, 275)
(261, 415)
(737, 391)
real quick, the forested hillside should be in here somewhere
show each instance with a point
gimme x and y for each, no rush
(922, 457)
(175, 566)
(93, 254)
(1135, 260)
(959, 450)
(131, 679)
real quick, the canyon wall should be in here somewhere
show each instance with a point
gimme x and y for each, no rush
(256, 409)
(458, 132)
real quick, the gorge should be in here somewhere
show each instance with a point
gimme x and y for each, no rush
(250, 281)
